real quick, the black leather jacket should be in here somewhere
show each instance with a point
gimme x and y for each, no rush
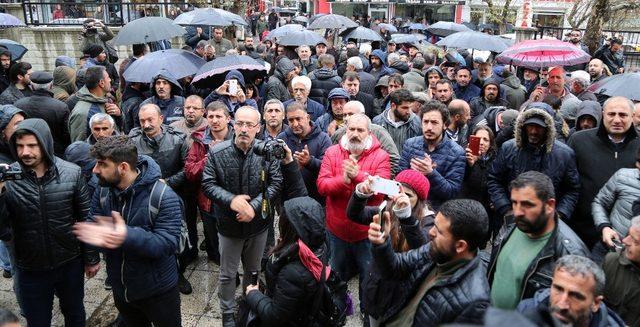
(563, 241)
(462, 298)
(229, 172)
(42, 211)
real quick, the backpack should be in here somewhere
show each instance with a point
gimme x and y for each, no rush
(155, 198)
(331, 303)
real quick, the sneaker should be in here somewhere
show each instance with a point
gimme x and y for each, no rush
(6, 273)
(184, 286)
(228, 320)
(107, 284)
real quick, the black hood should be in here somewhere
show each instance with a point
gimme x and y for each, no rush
(42, 132)
(401, 66)
(589, 108)
(306, 216)
(176, 88)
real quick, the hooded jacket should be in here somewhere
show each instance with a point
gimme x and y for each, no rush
(325, 120)
(145, 265)
(317, 142)
(277, 84)
(88, 105)
(214, 96)
(588, 108)
(6, 114)
(291, 288)
(42, 211)
(373, 161)
(323, 80)
(383, 70)
(55, 112)
(79, 153)
(402, 130)
(590, 144)
(551, 158)
(479, 104)
(446, 179)
(514, 92)
(131, 100)
(314, 108)
(399, 67)
(604, 317)
(172, 108)
(414, 80)
(169, 149)
(612, 205)
(64, 83)
(229, 172)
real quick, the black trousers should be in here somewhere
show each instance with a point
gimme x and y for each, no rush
(163, 310)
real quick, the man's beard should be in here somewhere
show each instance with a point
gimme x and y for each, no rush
(111, 182)
(249, 47)
(574, 320)
(441, 256)
(534, 227)
(356, 146)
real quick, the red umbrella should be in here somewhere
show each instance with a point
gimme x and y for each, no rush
(543, 53)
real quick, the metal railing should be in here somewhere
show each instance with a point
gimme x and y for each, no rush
(112, 13)
(630, 42)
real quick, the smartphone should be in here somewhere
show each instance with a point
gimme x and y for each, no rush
(254, 278)
(385, 186)
(381, 209)
(233, 86)
(474, 145)
(618, 246)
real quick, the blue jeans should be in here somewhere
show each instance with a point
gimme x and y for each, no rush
(348, 259)
(37, 290)
(5, 259)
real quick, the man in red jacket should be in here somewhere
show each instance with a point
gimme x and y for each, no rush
(356, 156)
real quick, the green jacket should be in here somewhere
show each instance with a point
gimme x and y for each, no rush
(79, 118)
(622, 288)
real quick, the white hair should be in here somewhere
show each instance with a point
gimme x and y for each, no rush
(304, 80)
(100, 117)
(393, 57)
(360, 116)
(356, 103)
(365, 49)
(356, 62)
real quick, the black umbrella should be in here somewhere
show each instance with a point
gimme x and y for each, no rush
(17, 50)
(178, 62)
(148, 29)
(361, 33)
(474, 40)
(332, 21)
(212, 74)
(208, 17)
(624, 85)
(446, 28)
(304, 37)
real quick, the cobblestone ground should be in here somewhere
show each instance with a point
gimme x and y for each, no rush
(200, 308)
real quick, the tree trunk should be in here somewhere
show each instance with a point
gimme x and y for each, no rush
(594, 26)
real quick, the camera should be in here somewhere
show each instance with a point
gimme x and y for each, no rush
(8, 173)
(270, 149)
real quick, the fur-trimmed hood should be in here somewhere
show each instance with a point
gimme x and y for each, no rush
(521, 134)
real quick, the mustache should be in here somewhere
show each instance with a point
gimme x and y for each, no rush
(148, 129)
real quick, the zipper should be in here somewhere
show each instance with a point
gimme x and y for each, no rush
(45, 221)
(526, 280)
(124, 205)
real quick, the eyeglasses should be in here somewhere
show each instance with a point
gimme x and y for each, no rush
(242, 124)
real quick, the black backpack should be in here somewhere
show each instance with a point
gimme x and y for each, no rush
(330, 304)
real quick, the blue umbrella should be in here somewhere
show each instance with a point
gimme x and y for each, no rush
(7, 20)
(178, 62)
(17, 50)
(207, 16)
(388, 27)
(283, 30)
(148, 29)
(304, 37)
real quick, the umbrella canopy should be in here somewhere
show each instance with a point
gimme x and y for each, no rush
(332, 21)
(407, 38)
(233, 18)
(543, 53)
(416, 26)
(206, 16)
(148, 29)
(361, 33)
(178, 62)
(446, 28)
(388, 27)
(624, 85)
(284, 30)
(301, 19)
(474, 40)
(7, 20)
(17, 50)
(304, 37)
(213, 72)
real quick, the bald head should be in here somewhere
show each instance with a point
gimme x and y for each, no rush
(460, 112)
(596, 69)
(151, 119)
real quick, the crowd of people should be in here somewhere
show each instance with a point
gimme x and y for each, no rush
(456, 189)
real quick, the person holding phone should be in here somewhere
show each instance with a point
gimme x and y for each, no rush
(480, 153)
(232, 93)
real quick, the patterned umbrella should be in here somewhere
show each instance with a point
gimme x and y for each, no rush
(148, 29)
(446, 28)
(212, 73)
(624, 85)
(7, 21)
(332, 21)
(543, 53)
(178, 62)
